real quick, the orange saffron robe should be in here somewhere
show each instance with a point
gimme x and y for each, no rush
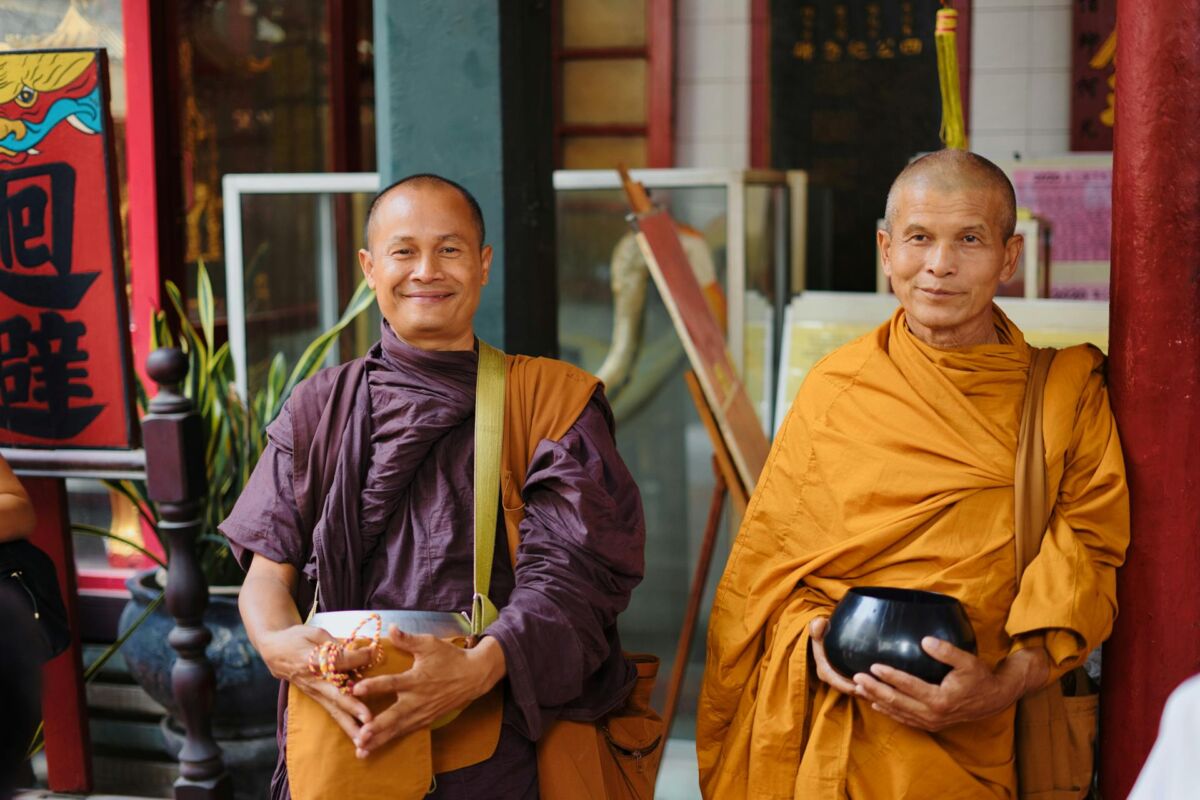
(895, 467)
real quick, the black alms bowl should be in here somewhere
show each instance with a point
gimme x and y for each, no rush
(881, 625)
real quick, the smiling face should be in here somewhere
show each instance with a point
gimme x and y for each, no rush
(946, 253)
(426, 264)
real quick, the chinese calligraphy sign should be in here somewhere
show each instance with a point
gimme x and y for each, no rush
(64, 343)
(1093, 74)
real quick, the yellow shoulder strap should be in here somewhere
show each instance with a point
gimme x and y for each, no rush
(1029, 483)
(489, 429)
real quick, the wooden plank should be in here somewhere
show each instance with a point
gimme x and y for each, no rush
(760, 84)
(704, 343)
(728, 472)
(64, 708)
(660, 91)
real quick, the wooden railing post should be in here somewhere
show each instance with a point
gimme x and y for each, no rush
(175, 480)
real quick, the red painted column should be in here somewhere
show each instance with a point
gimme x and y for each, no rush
(64, 708)
(152, 157)
(1154, 374)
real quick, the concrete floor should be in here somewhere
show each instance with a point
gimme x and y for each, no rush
(677, 776)
(40, 795)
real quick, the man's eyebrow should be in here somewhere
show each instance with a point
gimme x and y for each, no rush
(441, 238)
(977, 229)
(915, 227)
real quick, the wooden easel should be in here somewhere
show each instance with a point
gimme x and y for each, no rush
(728, 483)
(721, 401)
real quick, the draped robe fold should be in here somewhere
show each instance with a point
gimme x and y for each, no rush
(895, 467)
(395, 528)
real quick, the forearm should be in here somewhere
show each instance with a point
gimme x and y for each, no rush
(1024, 671)
(487, 657)
(268, 610)
(16, 516)
(16, 512)
(266, 606)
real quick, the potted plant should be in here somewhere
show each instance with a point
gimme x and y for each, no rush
(244, 707)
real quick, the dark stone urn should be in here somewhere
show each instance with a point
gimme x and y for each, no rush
(243, 716)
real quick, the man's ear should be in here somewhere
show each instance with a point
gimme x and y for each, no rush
(368, 266)
(883, 240)
(1012, 256)
(485, 258)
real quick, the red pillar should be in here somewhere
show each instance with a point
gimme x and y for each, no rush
(152, 158)
(64, 707)
(1154, 374)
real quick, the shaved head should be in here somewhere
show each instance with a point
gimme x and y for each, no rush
(955, 171)
(422, 180)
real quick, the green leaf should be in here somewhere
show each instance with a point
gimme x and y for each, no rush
(160, 331)
(110, 651)
(276, 378)
(204, 302)
(102, 533)
(135, 492)
(314, 355)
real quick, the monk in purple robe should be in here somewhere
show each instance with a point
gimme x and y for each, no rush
(393, 529)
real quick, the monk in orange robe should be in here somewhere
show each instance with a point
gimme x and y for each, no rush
(895, 467)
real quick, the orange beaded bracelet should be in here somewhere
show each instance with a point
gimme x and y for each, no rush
(324, 656)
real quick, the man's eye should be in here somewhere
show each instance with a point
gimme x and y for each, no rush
(971, 238)
(404, 251)
(918, 237)
(450, 250)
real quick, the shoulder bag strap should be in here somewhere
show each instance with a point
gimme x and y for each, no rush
(489, 430)
(1029, 483)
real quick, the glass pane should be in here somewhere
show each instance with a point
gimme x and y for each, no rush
(604, 23)
(603, 152)
(659, 433)
(765, 263)
(597, 92)
(286, 307)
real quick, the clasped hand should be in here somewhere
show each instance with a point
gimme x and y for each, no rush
(443, 678)
(970, 691)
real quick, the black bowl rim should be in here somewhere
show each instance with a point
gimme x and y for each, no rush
(896, 594)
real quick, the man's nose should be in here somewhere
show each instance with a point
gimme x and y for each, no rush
(941, 261)
(427, 267)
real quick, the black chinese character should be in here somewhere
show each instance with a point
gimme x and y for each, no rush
(26, 243)
(52, 370)
(14, 369)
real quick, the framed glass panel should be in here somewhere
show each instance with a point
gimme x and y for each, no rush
(603, 152)
(604, 91)
(603, 23)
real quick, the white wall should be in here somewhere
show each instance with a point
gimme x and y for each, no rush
(712, 89)
(1020, 78)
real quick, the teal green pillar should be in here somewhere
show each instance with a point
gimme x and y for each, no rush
(463, 88)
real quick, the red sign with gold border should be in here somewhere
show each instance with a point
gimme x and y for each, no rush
(65, 377)
(1093, 74)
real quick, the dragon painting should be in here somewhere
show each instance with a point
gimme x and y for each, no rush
(41, 91)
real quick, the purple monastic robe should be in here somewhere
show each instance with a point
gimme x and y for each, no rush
(404, 504)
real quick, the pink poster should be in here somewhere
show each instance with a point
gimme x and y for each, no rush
(1077, 202)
